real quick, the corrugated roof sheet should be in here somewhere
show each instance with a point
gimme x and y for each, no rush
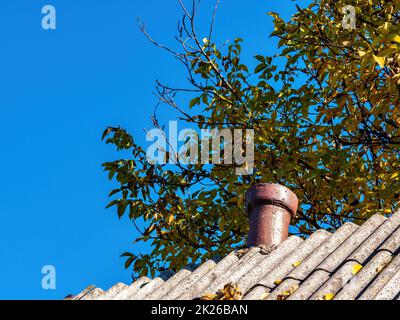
(355, 262)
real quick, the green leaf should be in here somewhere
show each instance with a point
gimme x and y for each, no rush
(260, 58)
(260, 67)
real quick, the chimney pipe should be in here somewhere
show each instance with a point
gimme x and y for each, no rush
(270, 208)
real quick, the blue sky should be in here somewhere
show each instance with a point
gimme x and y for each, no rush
(59, 90)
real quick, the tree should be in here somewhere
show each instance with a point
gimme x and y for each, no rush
(326, 124)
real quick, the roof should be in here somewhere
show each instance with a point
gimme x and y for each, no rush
(355, 262)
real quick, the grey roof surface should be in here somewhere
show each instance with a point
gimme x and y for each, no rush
(355, 262)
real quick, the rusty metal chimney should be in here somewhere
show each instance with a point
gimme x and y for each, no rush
(270, 208)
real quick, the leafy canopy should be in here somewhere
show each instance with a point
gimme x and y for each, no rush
(325, 113)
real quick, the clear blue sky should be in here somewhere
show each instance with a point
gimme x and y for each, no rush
(59, 90)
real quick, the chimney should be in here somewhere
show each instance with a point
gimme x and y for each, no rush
(270, 208)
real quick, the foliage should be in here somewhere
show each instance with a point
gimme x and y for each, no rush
(229, 292)
(325, 112)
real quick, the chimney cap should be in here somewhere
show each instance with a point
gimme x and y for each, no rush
(270, 208)
(273, 194)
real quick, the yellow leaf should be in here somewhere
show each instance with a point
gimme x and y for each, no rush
(379, 60)
(386, 26)
(394, 37)
(328, 296)
(284, 295)
(208, 296)
(170, 219)
(361, 53)
(278, 281)
(357, 267)
(296, 264)
(394, 175)
(151, 228)
(229, 292)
